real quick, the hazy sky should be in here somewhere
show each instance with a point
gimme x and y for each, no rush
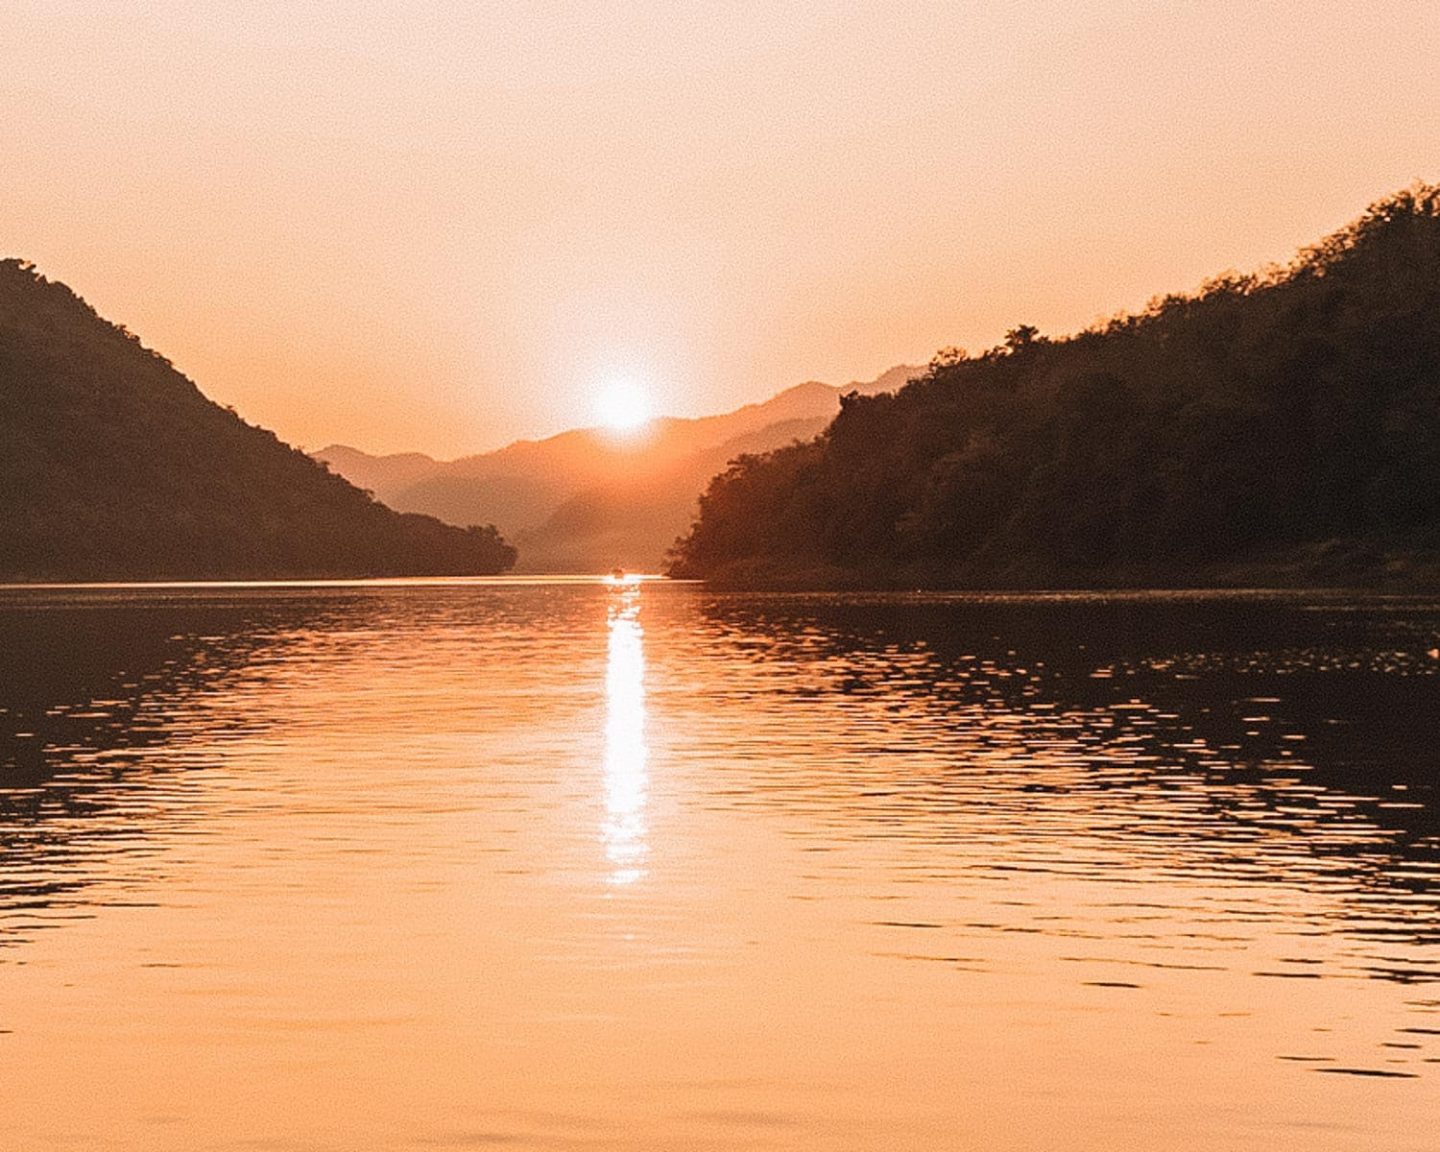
(443, 225)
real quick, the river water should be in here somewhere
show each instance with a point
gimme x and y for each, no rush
(578, 864)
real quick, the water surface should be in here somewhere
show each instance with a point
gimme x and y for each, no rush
(572, 864)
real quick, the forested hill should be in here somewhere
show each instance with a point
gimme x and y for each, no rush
(114, 466)
(1273, 428)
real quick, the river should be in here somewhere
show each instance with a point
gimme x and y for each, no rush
(637, 865)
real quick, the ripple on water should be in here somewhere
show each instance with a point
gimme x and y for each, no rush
(499, 826)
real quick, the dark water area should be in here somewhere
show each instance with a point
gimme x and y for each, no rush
(586, 864)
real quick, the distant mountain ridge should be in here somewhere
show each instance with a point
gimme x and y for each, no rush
(587, 499)
(114, 466)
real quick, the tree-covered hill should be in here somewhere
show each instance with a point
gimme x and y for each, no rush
(114, 466)
(1274, 428)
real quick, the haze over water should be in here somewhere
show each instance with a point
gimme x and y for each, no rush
(582, 864)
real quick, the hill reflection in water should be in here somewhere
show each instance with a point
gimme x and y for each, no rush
(640, 865)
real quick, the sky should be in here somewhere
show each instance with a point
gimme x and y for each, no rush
(442, 225)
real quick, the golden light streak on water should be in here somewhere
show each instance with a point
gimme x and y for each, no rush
(625, 751)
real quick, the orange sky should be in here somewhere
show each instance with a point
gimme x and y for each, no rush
(442, 225)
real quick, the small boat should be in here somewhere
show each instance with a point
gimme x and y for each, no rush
(617, 574)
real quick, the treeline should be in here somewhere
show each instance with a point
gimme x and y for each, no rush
(114, 466)
(1277, 427)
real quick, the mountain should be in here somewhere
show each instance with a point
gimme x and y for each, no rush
(378, 474)
(587, 500)
(114, 466)
(1273, 428)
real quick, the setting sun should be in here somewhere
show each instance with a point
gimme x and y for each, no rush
(622, 405)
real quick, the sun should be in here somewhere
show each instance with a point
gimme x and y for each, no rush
(622, 405)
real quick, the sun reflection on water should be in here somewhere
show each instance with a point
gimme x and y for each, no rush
(625, 751)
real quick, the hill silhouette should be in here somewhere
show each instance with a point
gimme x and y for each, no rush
(114, 466)
(587, 499)
(1273, 428)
